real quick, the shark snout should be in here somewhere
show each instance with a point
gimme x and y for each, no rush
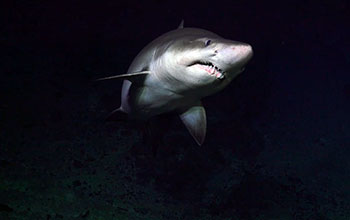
(245, 52)
(236, 55)
(249, 51)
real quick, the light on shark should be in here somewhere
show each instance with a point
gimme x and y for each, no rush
(175, 71)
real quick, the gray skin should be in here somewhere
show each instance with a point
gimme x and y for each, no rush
(176, 70)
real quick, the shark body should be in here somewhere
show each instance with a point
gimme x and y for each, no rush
(176, 70)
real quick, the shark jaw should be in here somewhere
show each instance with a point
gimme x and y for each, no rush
(211, 69)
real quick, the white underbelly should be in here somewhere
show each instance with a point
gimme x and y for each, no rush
(143, 102)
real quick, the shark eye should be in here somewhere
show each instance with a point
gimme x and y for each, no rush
(207, 43)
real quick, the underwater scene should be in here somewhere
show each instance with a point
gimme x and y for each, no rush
(163, 110)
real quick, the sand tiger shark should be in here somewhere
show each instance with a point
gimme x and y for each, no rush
(175, 71)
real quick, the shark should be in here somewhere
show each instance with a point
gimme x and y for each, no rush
(174, 72)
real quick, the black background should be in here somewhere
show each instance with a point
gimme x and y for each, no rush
(278, 137)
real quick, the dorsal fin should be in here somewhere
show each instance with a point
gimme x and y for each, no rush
(181, 24)
(129, 76)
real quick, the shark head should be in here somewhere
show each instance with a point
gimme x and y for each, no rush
(202, 61)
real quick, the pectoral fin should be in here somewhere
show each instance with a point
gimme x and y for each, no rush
(129, 76)
(195, 121)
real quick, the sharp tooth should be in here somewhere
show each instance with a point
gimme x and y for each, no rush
(221, 76)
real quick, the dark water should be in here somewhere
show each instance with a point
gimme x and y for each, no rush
(278, 139)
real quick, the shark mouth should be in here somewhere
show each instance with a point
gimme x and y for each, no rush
(211, 69)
